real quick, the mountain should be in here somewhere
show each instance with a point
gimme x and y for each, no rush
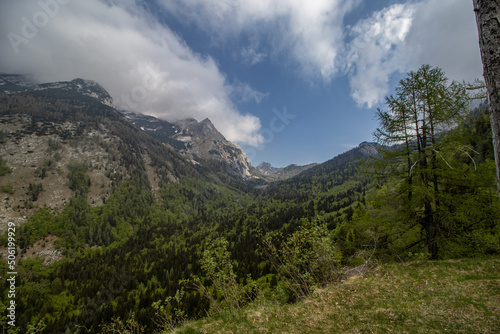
(124, 221)
(199, 142)
(45, 129)
(275, 173)
(14, 83)
(266, 168)
(306, 172)
(135, 201)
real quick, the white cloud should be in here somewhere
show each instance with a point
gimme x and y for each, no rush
(444, 34)
(375, 52)
(252, 56)
(242, 92)
(308, 34)
(402, 37)
(144, 65)
(147, 67)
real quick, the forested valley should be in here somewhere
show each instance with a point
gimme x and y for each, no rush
(205, 241)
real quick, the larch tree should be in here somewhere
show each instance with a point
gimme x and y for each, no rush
(425, 106)
(488, 26)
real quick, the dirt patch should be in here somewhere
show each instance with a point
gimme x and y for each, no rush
(45, 249)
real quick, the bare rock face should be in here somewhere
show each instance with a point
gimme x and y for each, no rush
(40, 162)
(267, 169)
(199, 142)
(13, 83)
(276, 174)
(368, 149)
(203, 140)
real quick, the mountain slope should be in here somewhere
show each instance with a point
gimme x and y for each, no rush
(277, 174)
(47, 127)
(416, 297)
(199, 142)
(88, 186)
(78, 179)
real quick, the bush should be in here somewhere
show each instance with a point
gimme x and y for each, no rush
(225, 292)
(4, 169)
(306, 259)
(7, 189)
(34, 191)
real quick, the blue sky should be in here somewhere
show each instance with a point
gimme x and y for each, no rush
(290, 81)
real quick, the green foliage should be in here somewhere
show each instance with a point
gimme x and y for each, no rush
(39, 225)
(131, 326)
(430, 168)
(36, 328)
(168, 311)
(305, 260)
(7, 189)
(4, 169)
(79, 182)
(34, 191)
(224, 293)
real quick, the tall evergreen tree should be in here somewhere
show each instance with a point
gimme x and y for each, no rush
(424, 106)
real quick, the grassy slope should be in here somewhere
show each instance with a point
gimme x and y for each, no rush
(454, 296)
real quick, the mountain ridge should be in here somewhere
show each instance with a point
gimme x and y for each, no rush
(281, 173)
(81, 178)
(198, 141)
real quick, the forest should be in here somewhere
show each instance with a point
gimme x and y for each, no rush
(212, 242)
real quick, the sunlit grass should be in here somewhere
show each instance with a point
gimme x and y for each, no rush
(454, 296)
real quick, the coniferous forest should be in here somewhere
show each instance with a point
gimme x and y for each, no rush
(206, 241)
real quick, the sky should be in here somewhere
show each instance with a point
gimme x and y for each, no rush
(290, 81)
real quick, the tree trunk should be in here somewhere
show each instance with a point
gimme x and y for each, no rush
(488, 27)
(429, 225)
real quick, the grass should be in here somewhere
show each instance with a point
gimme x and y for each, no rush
(452, 296)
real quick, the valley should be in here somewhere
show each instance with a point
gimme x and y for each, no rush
(125, 219)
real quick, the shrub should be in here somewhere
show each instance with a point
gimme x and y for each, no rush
(306, 259)
(225, 292)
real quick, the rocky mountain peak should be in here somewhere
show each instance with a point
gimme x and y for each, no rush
(204, 141)
(368, 149)
(93, 89)
(266, 168)
(15, 83)
(204, 129)
(275, 173)
(197, 141)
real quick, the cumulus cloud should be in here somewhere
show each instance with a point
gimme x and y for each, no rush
(308, 33)
(375, 52)
(312, 37)
(402, 37)
(444, 34)
(148, 68)
(143, 64)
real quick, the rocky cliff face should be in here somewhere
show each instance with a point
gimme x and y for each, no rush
(197, 141)
(45, 129)
(266, 168)
(11, 84)
(203, 140)
(368, 149)
(276, 174)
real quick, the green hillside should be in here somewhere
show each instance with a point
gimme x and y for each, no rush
(448, 296)
(118, 232)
